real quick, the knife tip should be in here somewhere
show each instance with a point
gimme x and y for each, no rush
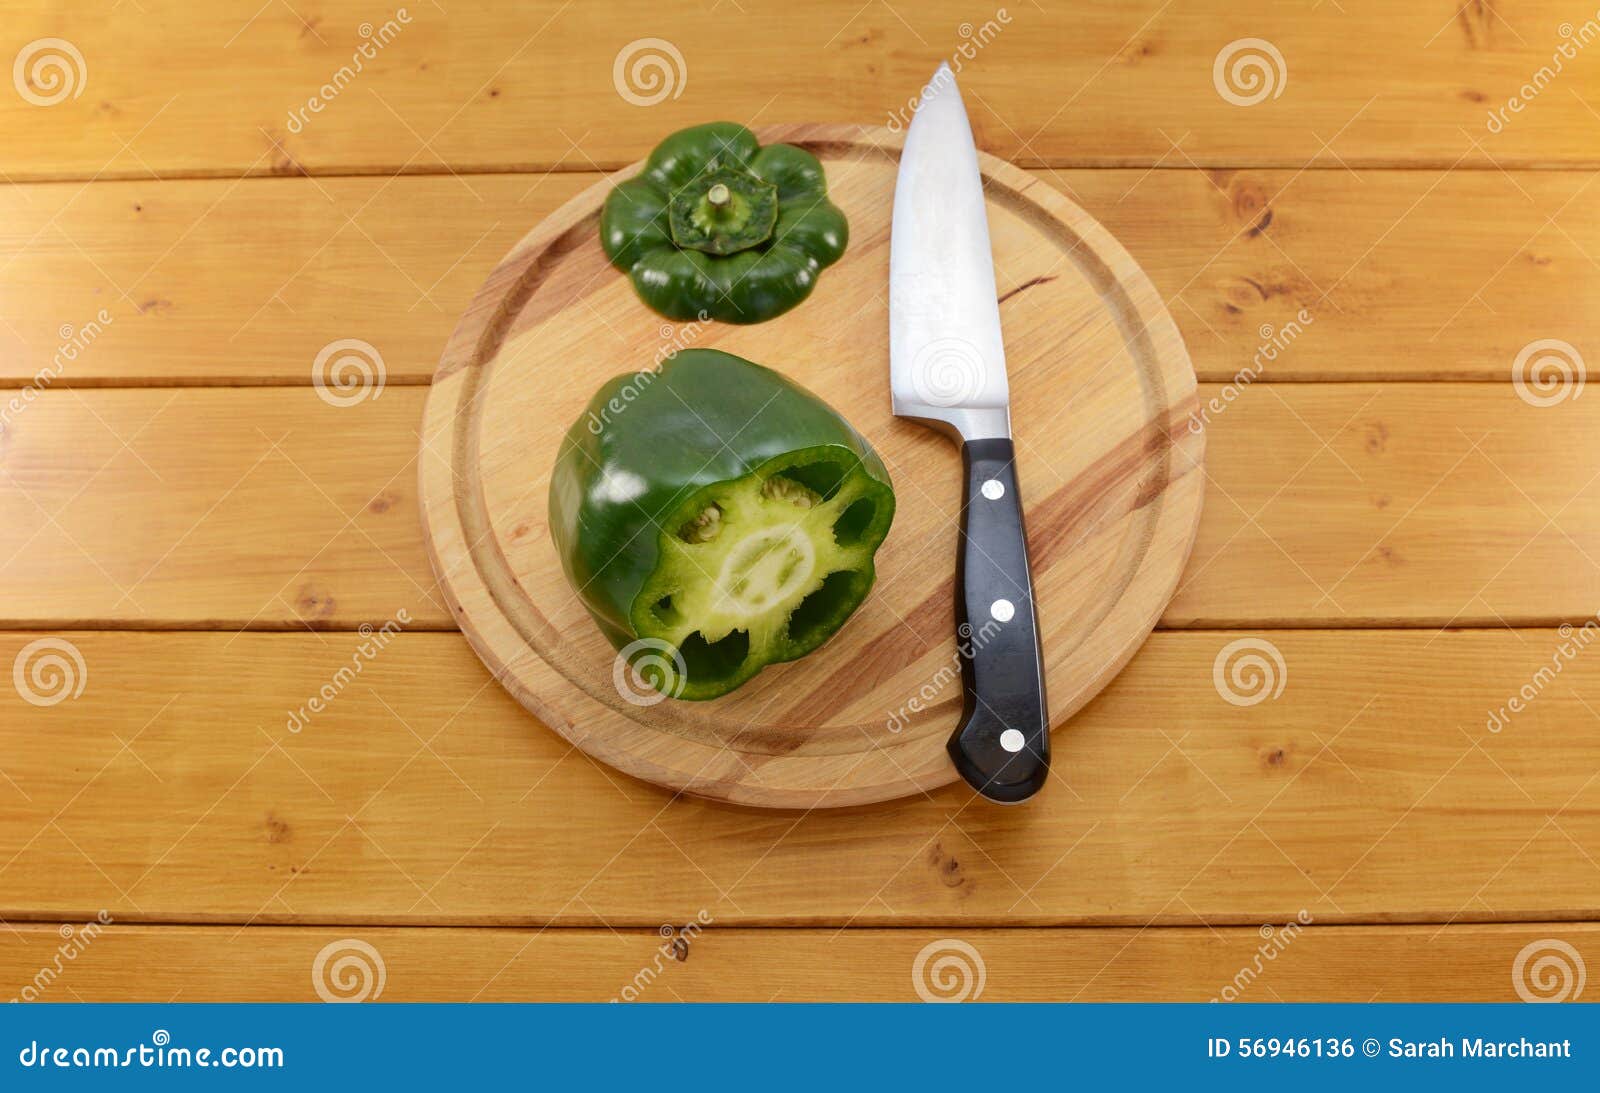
(940, 84)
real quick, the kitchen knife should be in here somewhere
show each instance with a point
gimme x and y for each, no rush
(947, 369)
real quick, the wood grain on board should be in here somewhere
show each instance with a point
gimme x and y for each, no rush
(223, 89)
(1465, 963)
(1327, 504)
(1361, 779)
(1112, 510)
(1403, 273)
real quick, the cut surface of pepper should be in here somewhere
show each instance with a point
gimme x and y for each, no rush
(719, 511)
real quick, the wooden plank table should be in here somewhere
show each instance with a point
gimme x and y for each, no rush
(1399, 525)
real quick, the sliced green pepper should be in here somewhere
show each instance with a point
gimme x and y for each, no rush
(718, 513)
(718, 227)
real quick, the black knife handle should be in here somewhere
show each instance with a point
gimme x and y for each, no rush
(1002, 747)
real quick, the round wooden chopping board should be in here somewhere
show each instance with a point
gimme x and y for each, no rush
(1102, 396)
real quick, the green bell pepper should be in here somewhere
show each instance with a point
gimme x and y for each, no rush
(718, 227)
(715, 517)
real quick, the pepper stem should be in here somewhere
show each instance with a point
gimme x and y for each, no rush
(723, 212)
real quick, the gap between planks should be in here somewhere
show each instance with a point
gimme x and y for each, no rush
(901, 923)
(282, 626)
(299, 379)
(606, 166)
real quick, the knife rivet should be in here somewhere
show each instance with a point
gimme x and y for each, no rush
(1012, 740)
(1002, 610)
(993, 489)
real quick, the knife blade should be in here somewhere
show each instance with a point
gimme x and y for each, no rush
(947, 369)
